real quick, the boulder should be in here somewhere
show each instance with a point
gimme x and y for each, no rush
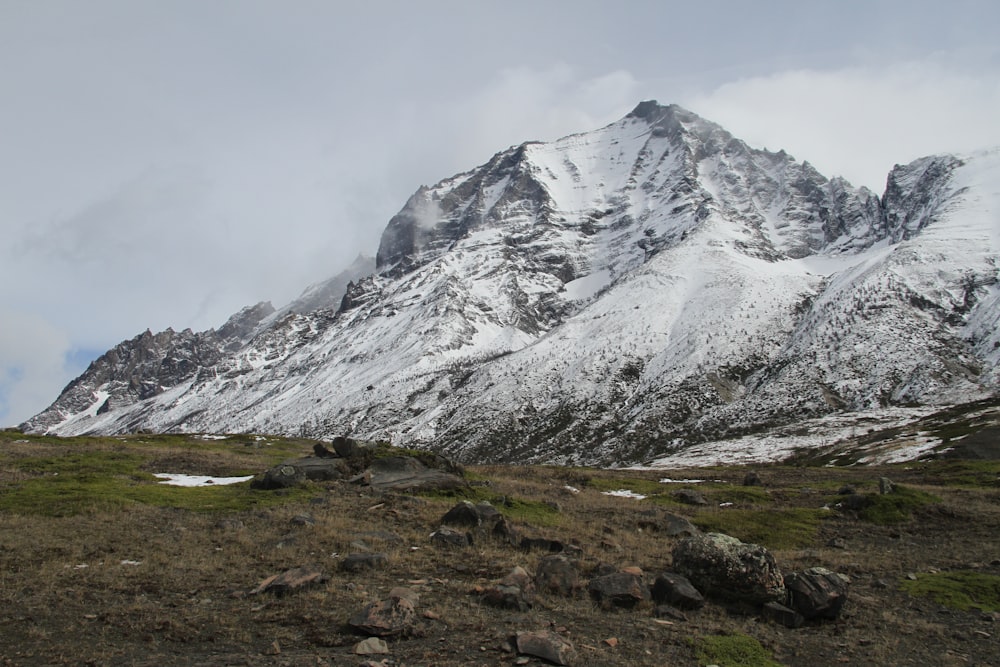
(817, 592)
(295, 472)
(722, 566)
(282, 476)
(676, 591)
(484, 519)
(449, 537)
(390, 617)
(557, 574)
(690, 497)
(405, 473)
(515, 591)
(546, 645)
(620, 589)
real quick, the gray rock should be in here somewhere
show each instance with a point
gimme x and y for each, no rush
(722, 566)
(484, 519)
(390, 617)
(546, 645)
(676, 590)
(675, 526)
(782, 615)
(515, 591)
(558, 575)
(817, 592)
(371, 646)
(405, 473)
(283, 476)
(359, 562)
(620, 589)
(690, 497)
(449, 537)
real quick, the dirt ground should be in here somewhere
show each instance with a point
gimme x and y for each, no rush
(152, 585)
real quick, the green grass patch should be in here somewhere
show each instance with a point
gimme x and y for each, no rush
(962, 589)
(534, 512)
(70, 495)
(71, 476)
(773, 528)
(647, 487)
(965, 474)
(896, 507)
(735, 650)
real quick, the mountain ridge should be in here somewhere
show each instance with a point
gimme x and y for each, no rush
(618, 294)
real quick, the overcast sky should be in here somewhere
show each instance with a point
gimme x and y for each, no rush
(165, 162)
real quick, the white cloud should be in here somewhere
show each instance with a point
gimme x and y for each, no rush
(859, 121)
(32, 365)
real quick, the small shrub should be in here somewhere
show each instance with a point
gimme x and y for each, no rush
(736, 650)
(961, 589)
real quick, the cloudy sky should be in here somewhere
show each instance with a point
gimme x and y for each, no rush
(164, 163)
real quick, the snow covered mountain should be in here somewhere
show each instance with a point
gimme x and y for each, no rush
(606, 298)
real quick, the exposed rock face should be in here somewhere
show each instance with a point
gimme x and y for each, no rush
(603, 298)
(722, 566)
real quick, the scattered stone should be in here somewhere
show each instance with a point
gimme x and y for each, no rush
(303, 520)
(678, 526)
(666, 611)
(449, 537)
(547, 645)
(885, 485)
(282, 476)
(359, 562)
(817, 592)
(484, 519)
(610, 641)
(542, 544)
(837, 543)
(390, 617)
(690, 497)
(515, 591)
(371, 646)
(722, 566)
(292, 473)
(676, 590)
(621, 589)
(752, 479)
(405, 473)
(782, 615)
(557, 574)
(291, 580)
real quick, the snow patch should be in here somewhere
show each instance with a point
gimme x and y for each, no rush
(177, 479)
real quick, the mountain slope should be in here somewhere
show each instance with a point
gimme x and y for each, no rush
(615, 295)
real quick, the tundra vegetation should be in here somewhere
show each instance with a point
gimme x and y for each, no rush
(102, 563)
